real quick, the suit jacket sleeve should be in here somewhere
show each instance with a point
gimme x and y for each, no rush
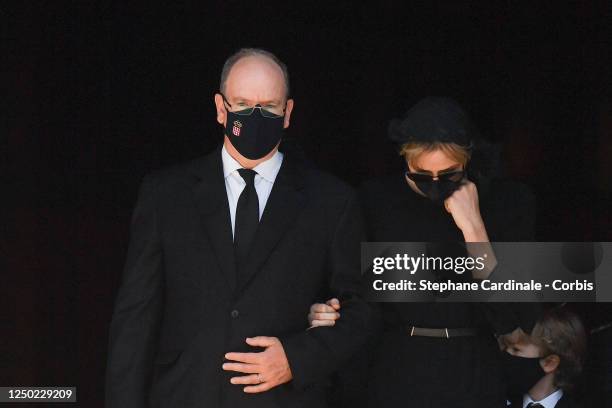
(134, 328)
(314, 354)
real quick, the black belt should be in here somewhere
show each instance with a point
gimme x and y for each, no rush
(442, 333)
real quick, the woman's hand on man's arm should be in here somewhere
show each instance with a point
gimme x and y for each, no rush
(324, 314)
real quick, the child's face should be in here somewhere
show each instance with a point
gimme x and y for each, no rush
(520, 344)
(525, 346)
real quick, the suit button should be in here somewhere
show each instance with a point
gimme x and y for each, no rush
(235, 313)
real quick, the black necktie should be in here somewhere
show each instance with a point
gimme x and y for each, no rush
(247, 218)
(534, 405)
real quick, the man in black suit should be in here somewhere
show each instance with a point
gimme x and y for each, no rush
(227, 253)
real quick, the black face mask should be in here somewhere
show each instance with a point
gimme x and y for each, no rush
(254, 135)
(437, 190)
(521, 373)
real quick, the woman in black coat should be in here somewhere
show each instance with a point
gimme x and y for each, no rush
(440, 198)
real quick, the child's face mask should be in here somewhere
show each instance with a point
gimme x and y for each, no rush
(521, 373)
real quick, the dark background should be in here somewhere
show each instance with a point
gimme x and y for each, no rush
(99, 94)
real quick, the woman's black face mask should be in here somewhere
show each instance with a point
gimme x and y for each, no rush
(440, 189)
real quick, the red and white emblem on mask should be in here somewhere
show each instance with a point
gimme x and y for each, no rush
(236, 128)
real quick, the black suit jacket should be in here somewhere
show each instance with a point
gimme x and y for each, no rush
(180, 306)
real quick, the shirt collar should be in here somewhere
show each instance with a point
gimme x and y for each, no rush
(549, 402)
(229, 163)
(268, 169)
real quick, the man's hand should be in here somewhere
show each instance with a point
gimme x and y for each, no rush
(265, 369)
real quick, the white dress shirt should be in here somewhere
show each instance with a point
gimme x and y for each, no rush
(234, 183)
(548, 402)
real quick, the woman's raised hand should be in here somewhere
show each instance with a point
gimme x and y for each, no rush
(463, 206)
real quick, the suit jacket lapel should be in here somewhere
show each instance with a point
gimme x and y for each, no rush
(211, 200)
(282, 208)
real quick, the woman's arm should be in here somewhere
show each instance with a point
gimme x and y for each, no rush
(464, 206)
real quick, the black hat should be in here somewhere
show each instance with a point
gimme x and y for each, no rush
(434, 119)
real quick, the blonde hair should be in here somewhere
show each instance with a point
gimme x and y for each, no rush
(412, 150)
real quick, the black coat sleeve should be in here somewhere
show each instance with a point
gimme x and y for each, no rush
(518, 226)
(134, 329)
(314, 354)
